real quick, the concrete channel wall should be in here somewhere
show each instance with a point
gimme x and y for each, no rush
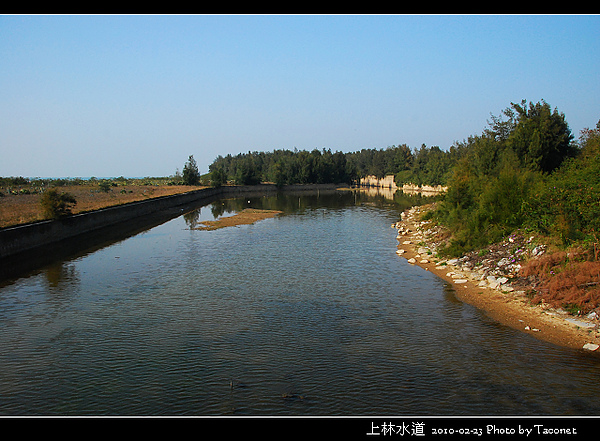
(26, 238)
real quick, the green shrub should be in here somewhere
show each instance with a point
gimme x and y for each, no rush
(55, 204)
(105, 186)
(568, 205)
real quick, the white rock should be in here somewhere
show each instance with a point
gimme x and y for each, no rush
(400, 251)
(424, 261)
(537, 251)
(580, 323)
(412, 261)
(503, 262)
(460, 281)
(591, 346)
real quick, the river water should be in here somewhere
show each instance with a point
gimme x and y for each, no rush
(308, 313)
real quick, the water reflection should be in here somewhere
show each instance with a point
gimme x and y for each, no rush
(308, 313)
(192, 218)
(62, 277)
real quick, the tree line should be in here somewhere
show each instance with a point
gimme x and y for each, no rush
(537, 137)
(425, 165)
(525, 170)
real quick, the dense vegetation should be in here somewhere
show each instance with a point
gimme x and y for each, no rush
(525, 171)
(426, 165)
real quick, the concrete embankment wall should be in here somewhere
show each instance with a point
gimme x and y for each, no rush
(374, 181)
(388, 182)
(26, 238)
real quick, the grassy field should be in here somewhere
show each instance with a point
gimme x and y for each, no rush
(20, 203)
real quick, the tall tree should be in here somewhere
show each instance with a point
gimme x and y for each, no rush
(541, 138)
(191, 176)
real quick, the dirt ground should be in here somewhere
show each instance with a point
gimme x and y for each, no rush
(25, 208)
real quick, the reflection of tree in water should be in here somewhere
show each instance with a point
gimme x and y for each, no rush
(217, 209)
(297, 202)
(223, 206)
(191, 218)
(62, 277)
(406, 200)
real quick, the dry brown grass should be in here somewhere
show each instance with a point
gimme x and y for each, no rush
(566, 279)
(24, 208)
(244, 217)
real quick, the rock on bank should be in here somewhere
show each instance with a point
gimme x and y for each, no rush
(489, 279)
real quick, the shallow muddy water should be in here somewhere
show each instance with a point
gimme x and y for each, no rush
(307, 313)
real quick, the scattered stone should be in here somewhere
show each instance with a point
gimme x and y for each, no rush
(491, 267)
(400, 251)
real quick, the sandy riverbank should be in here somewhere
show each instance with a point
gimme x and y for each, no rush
(244, 217)
(504, 303)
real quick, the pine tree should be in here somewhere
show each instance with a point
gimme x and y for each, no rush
(191, 176)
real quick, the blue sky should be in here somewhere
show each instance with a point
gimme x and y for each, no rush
(135, 95)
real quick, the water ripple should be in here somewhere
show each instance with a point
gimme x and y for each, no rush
(310, 313)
